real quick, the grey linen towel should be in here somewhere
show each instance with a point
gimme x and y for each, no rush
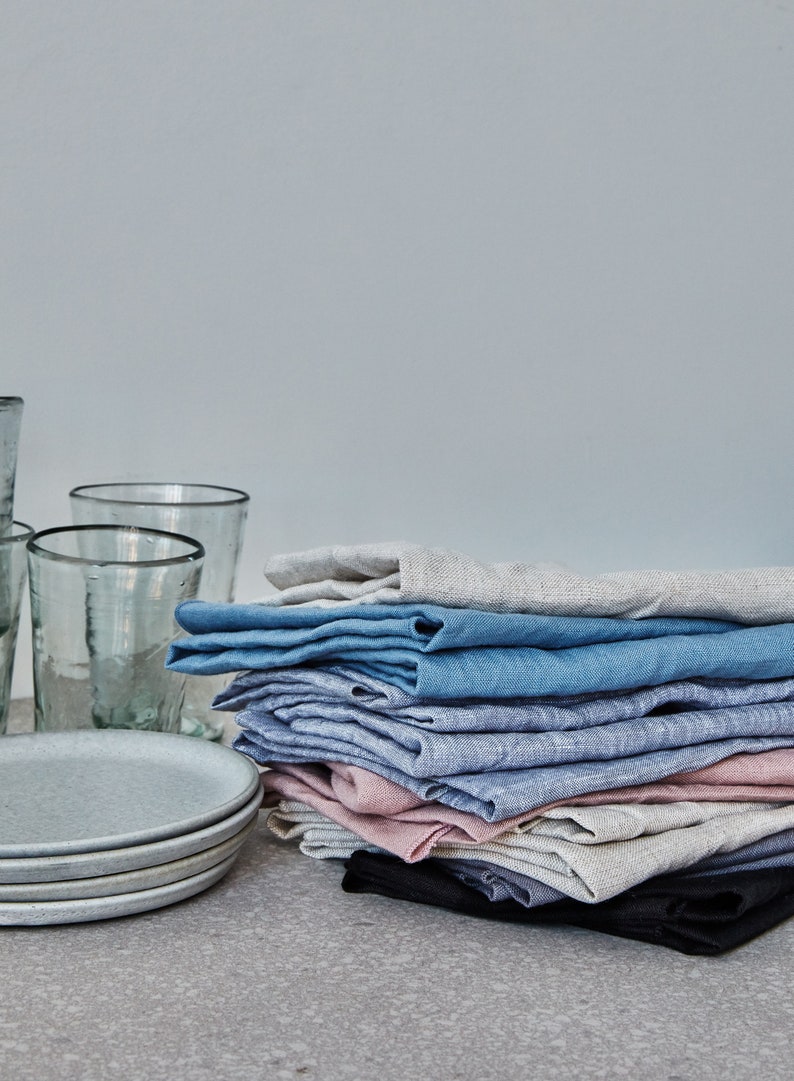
(589, 853)
(402, 573)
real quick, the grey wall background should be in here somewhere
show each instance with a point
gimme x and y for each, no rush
(513, 277)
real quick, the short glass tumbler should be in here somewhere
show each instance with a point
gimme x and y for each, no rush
(13, 571)
(213, 515)
(10, 420)
(102, 604)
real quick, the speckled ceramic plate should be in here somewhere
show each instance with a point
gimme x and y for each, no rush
(116, 860)
(126, 881)
(39, 913)
(89, 791)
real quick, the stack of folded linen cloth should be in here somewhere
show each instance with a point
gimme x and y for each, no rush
(522, 743)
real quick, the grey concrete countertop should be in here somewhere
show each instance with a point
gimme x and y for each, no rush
(276, 973)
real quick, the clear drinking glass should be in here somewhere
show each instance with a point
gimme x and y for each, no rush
(10, 420)
(102, 607)
(13, 571)
(213, 515)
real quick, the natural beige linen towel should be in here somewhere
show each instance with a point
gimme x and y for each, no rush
(396, 572)
(589, 853)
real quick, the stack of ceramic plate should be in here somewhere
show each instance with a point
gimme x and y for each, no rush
(95, 824)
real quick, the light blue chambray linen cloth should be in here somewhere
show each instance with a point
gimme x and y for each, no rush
(502, 883)
(776, 850)
(457, 653)
(342, 694)
(613, 727)
(498, 794)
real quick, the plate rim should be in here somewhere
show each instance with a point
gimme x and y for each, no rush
(128, 858)
(88, 909)
(48, 745)
(118, 882)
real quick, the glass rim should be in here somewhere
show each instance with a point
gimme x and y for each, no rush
(10, 399)
(24, 533)
(35, 548)
(89, 492)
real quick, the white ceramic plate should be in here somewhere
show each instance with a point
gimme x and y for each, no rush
(127, 881)
(88, 791)
(114, 861)
(39, 913)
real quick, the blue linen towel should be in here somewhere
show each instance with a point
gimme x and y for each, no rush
(503, 883)
(503, 793)
(611, 728)
(457, 653)
(342, 694)
(775, 850)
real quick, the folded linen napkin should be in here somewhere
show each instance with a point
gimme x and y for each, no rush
(337, 694)
(503, 883)
(452, 653)
(398, 572)
(589, 853)
(427, 754)
(701, 916)
(775, 850)
(437, 751)
(331, 711)
(501, 794)
(395, 820)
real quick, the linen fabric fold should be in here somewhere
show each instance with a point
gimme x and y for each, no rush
(337, 693)
(502, 794)
(398, 572)
(329, 712)
(395, 820)
(774, 850)
(430, 755)
(500, 883)
(450, 653)
(700, 916)
(436, 751)
(409, 827)
(589, 853)
(505, 884)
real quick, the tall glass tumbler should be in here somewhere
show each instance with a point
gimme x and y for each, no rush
(213, 515)
(13, 571)
(102, 604)
(10, 420)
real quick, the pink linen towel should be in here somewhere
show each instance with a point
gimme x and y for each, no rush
(390, 816)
